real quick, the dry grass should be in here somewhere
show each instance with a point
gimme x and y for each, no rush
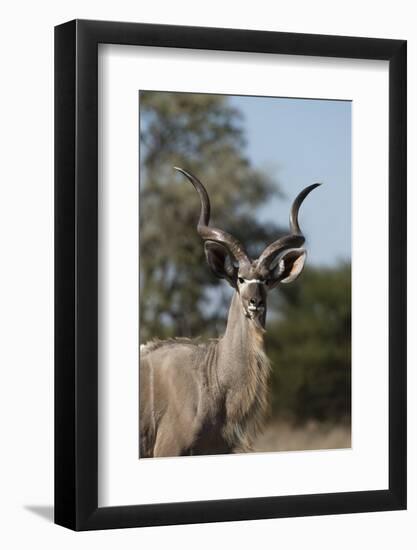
(284, 436)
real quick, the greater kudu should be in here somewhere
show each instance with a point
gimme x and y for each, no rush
(210, 398)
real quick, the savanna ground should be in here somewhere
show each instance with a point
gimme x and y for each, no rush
(283, 435)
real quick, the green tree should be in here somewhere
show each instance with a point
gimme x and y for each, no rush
(203, 134)
(309, 343)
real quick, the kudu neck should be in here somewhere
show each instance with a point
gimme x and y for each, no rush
(241, 339)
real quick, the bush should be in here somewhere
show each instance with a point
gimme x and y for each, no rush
(309, 344)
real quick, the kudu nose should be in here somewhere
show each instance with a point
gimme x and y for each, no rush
(257, 302)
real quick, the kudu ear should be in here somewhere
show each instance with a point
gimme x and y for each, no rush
(220, 261)
(289, 266)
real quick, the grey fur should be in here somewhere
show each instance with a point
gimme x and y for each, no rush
(210, 398)
(204, 398)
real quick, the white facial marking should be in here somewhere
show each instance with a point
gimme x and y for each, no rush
(250, 281)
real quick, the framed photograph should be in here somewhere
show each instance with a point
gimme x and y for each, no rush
(230, 252)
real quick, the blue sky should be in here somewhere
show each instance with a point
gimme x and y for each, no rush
(299, 142)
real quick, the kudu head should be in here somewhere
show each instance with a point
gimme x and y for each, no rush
(281, 262)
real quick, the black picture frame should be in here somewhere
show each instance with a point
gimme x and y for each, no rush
(76, 272)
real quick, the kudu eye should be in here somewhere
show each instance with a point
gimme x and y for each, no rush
(241, 280)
